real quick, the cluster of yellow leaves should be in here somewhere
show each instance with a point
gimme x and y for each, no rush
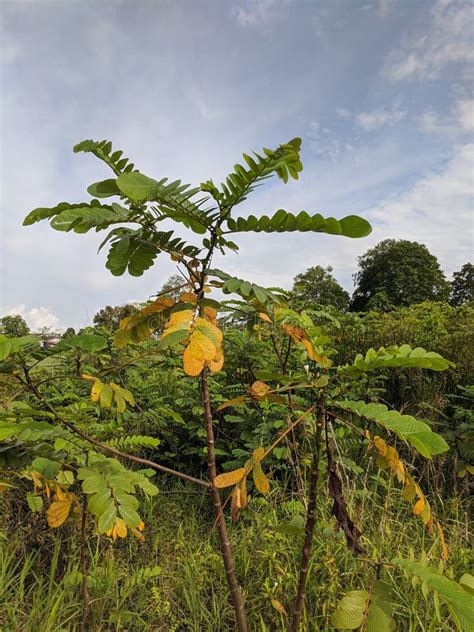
(203, 341)
(107, 394)
(238, 479)
(138, 327)
(63, 499)
(120, 530)
(388, 458)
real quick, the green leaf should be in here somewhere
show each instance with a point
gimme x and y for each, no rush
(350, 610)
(403, 356)
(379, 616)
(137, 186)
(104, 188)
(283, 221)
(408, 428)
(5, 347)
(453, 593)
(35, 503)
(132, 519)
(107, 518)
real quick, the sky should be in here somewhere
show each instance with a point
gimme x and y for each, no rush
(380, 91)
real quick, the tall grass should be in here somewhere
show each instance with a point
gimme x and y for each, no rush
(40, 581)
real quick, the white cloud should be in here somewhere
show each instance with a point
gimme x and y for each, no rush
(447, 39)
(343, 113)
(454, 124)
(385, 7)
(465, 112)
(259, 12)
(437, 211)
(37, 317)
(370, 121)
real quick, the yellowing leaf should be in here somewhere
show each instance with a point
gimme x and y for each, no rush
(59, 511)
(264, 317)
(188, 297)
(258, 454)
(96, 390)
(261, 481)
(231, 402)
(259, 389)
(419, 506)
(444, 548)
(121, 528)
(229, 478)
(217, 362)
(279, 607)
(243, 493)
(194, 358)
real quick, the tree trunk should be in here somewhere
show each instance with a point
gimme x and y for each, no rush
(220, 520)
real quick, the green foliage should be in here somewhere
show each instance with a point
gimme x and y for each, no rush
(370, 609)
(317, 286)
(416, 432)
(462, 286)
(14, 326)
(109, 317)
(283, 221)
(403, 272)
(111, 490)
(458, 596)
(403, 356)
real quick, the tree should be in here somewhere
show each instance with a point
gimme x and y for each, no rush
(462, 287)
(318, 286)
(313, 400)
(401, 273)
(14, 326)
(109, 317)
(173, 286)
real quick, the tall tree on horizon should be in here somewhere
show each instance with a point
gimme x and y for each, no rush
(398, 273)
(317, 286)
(462, 290)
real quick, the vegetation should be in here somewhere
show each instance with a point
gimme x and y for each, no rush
(14, 326)
(396, 274)
(233, 419)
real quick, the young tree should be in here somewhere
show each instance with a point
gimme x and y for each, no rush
(315, 396)
(462, 286)
(404, 271)
(14, 326)
(317, 286)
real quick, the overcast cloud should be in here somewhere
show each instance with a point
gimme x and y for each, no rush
(380, 92)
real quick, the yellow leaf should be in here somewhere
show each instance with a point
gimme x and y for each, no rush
(59, 511)
(261, 481)
(279, 607)
(259, 389)
(183, 317)
(37, 479)
(121, 528)
(265, 317)
(229, 478)
(138, 534)
(207, 346)
(231, 402)
(96, 390)
(188, 297)
(217, 362)
(444, 547)
(258, 454)
(380, 445)
(194, 358)
(86, 376)
(210, 314)
(418, 507)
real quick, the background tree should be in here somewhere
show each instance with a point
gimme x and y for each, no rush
(173, 286)
(404, 271)
(109, 317)
(462, 287)
(14, 326)
(318, 286)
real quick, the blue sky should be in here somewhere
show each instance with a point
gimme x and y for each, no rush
(379, 90)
